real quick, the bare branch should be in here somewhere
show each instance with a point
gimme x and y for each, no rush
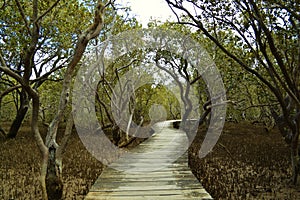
(45, 76)
(9, 90)
(9, 72)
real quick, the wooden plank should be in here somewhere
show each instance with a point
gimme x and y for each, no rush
(152, 183)
(95, 196)
(158, 173)
(168, 180)
(184, 193)
(144, 188)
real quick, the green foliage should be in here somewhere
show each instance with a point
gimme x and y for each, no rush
(260, 36)
(150, 95)
(59, 30)
(50, 94)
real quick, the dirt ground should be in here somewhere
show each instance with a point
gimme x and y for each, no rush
(247, 163)
(20, 165)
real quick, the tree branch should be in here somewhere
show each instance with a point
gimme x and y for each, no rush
(67, 134)
(200, 26)
(9, 90)
(23, 16)
(92, 32)
(35, 104)
(259, 105)
(275, 52)
(47, 11)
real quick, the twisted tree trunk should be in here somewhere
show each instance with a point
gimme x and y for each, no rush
(52, 166)
(54, 184)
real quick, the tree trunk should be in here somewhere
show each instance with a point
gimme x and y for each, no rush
(53, 179)
(295, 153)
(21, 113)
(296, 167)
(116, 132)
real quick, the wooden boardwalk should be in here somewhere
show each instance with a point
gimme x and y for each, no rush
(151, 171)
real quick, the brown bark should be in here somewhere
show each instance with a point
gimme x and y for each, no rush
(21, 113)
(54, 184)
(51, 152)
(52, 174)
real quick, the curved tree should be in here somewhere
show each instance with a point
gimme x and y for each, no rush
(36, 21)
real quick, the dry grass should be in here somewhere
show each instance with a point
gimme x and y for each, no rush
(247, 163)
(20, 165)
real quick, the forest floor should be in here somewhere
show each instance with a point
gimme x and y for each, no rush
(20, 168)
(246, 163)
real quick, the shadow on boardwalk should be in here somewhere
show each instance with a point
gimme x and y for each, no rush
(156, 169)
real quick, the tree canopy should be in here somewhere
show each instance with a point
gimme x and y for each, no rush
(263, 38)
